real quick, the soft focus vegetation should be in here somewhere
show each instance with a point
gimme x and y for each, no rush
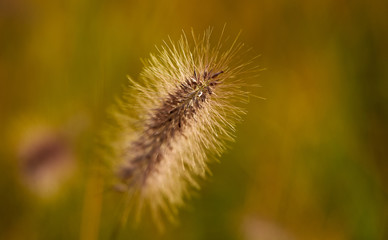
(309, 162)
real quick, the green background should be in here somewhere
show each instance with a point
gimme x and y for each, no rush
(309, 162)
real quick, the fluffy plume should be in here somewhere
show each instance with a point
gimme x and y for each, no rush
(176, 119)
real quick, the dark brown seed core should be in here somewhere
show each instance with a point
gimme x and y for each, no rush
(43, 154)
(165, 123)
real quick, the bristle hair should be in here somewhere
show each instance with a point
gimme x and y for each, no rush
(177, 118)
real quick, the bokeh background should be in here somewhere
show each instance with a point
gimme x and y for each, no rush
(309, 162)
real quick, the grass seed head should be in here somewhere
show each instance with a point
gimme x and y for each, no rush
(176, 120)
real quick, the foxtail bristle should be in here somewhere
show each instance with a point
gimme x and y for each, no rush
(180, 117)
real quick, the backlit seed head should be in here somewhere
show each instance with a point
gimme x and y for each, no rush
(179, 117)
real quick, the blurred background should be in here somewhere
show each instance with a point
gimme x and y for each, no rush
(309, 162)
